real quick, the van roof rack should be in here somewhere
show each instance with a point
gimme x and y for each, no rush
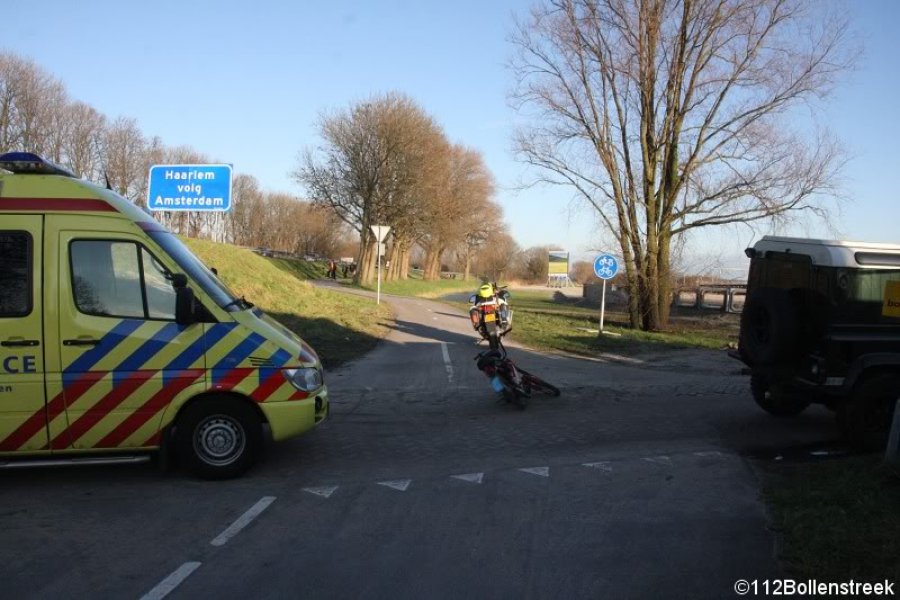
(27, 163)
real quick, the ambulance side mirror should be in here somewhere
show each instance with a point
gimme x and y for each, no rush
(184, 300)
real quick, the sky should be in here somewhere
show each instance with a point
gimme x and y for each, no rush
(246, 82)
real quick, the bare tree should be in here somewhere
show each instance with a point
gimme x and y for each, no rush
(670, 115)
(369, 168)
(83, 146)
(124, 149)
(496, 259)
(30, 98)
(483, 222)
(464, 188)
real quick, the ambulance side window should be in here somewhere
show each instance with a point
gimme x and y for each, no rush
(106, 278)
(120, 279)
(15, 274)
(158, 286)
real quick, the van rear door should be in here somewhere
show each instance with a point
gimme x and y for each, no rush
(23, 416)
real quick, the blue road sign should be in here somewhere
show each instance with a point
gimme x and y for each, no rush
(190, 187)
(606, 266)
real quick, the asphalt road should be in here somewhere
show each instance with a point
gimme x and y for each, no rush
(635, 483)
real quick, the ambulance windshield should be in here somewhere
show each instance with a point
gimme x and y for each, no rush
(197, 271)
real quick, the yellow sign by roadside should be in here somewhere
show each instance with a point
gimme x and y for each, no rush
(891, 306)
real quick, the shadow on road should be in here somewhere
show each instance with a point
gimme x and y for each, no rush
(334, 343)
(432, 333)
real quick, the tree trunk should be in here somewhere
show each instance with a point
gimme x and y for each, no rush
(365, 272)
(665, 276)
(632, 276)
(468, 267)
(392, 259)
(404, 262)
(433, 263)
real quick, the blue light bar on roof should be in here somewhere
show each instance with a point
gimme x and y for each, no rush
(29, 163)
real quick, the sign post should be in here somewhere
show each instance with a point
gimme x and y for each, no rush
(605, 267)
(380, 232)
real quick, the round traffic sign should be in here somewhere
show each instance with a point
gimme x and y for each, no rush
(606, 266)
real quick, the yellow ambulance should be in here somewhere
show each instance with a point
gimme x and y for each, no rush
(115, 340)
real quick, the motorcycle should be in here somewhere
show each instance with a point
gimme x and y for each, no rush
(513, 383)
(490, 313)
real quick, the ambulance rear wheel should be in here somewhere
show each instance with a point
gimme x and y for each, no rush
(219, 438)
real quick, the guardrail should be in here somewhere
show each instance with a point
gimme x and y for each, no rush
(726, 298)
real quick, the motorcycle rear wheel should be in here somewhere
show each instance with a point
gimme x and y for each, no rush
(536, 383)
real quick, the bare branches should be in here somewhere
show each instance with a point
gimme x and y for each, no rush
(385, 161)
(37, 115)
(668, 115)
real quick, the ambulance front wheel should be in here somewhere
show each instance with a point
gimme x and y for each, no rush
(218, 438)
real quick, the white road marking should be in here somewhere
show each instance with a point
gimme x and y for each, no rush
(325, 491)
(659, 460)
(167, 585)
(710, 453)
(541, 471)
(470, 477)
(447, 364)
(603, 466)
(397, 484)
(242, 521)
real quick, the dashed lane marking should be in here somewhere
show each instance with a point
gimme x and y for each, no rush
(168, 585)
(447, 364)
(659, 460)
(603, 466)
(397, 484)
(324, 491)
(242, 521)
(540, 471)
(470, 477)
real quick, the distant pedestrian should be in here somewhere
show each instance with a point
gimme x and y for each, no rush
(344, 267)
(332, 269)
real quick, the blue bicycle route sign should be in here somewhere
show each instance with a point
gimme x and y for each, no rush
(606, 266)
(204, 188)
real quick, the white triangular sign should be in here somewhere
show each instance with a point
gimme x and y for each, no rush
(542, 471)
(603, 466)
(397, 484)
(325, 492)
(470, 477)
(380, 231)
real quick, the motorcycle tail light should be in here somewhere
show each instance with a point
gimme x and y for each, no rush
(488, 308)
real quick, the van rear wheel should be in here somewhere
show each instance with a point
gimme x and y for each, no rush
(218, 438)
(866, 416)
(774, 400)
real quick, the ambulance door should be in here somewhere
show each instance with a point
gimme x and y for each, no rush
(23, 421)
(124, 358)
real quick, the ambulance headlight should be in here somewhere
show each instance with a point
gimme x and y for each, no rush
(305, 379)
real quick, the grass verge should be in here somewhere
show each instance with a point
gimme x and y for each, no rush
(839, 518)
(340, 327)
(301, 269)
(426, 289)
(553, 322)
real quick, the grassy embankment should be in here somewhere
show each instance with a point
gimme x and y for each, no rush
(339, 326)
(549, 321)
(416, 286)
(839, 518)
